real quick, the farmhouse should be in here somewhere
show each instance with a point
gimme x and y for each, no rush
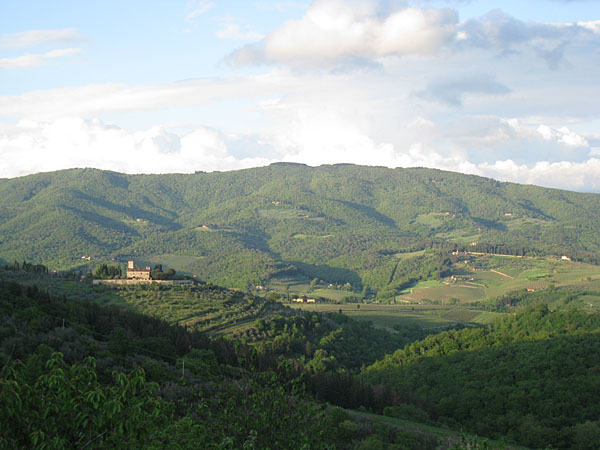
(137, 273)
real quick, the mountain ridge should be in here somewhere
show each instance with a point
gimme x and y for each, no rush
(257, 222)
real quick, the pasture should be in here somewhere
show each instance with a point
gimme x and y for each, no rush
(479, 277)
(430, 317)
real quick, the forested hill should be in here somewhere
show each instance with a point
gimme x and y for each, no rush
(342, 223)
(531, 377)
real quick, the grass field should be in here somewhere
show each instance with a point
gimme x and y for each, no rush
(482, 277)
(431, 318)
(409, 254)
(434, 219)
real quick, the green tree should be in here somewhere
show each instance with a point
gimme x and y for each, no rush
(67, 407)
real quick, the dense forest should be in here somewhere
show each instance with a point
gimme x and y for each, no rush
(532, 377)
(340, 223)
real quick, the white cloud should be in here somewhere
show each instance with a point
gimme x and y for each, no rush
(35, 38)
(91, 100)
(453, 91)
(580, 176)
(314, 138)
(563, 136)
(36, 59)
(325, 138)
(592, 25)
(333, 31)
(502, 33)
(233, 31)
(33, 147)
(198, 7)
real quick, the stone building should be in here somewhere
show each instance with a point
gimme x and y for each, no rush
(137, 273)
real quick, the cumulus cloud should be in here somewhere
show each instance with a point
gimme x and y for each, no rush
(580, 176)
(314, 138)
(332, 31)
(485, 131)
(36, 59)
(36, 38)
(488, 139)
(33, 147)
(453, 91)
(325, 138)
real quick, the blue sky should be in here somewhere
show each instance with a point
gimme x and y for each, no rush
(507, 89)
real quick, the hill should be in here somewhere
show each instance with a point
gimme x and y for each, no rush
(344, 224)
(530, 377)
(79, 375)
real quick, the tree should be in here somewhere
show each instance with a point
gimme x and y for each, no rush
(157, 273)
(67, 407)
(313, 284)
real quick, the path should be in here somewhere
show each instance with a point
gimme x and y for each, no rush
(503, 274)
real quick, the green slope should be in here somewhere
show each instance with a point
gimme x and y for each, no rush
(341, 223)
(531, 377)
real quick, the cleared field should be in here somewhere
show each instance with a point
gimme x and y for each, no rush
(428, 284)
(434, 219)
(486, 317)
(390, 316)
(587, 302)
(445, 293)
(461, 315)
(311, 236)
(333, 294)
(409, 254)
(460, 235)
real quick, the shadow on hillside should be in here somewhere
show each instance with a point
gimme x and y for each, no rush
(490, 224)
(367, 211)
(135, 212)
(327, 273)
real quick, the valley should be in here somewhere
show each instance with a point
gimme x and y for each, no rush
(385, 308)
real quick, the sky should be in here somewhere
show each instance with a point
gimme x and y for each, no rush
(502, 89)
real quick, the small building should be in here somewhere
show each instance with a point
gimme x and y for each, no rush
(137, 273)
(565, 258)
(310, 300)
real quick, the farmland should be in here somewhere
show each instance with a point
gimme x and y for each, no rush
(392, 317)
(478, 277)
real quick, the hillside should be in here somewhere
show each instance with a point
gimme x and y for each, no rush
(340, 223)
(79, 375)
(530, 377)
